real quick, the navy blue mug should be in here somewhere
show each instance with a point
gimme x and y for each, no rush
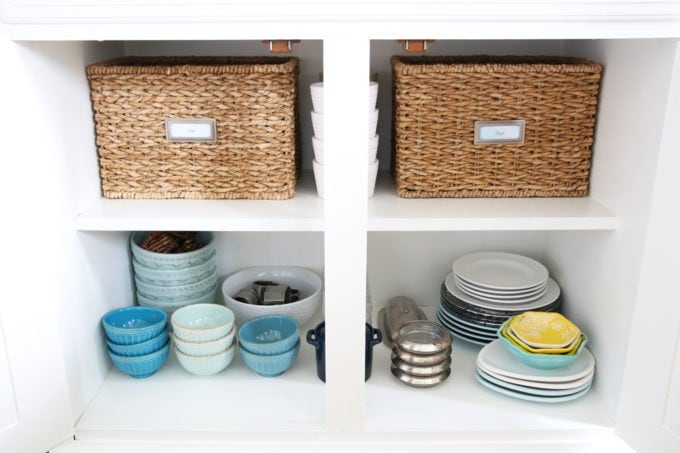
(317, 338)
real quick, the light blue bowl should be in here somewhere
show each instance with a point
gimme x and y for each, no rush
(202, 322)
(270, 365)
(269, 335)
(174, 277)
(541, 361)
(146, 347)
(170, 307)
(141, 366)
(172, 261)
(175, 293)
(132, 325)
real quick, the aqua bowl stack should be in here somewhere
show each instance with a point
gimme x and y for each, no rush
(174, 269)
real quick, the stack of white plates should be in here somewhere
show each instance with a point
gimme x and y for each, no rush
(487, 288)
(498, 370)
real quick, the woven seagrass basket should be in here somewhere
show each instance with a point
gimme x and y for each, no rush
(251, 102)
(438, 100)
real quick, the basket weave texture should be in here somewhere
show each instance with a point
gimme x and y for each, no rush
(253, 100)
(438, 99)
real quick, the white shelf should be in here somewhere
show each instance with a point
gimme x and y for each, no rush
(303, 212)
(389, 212)
(174, 403)
(460, 404)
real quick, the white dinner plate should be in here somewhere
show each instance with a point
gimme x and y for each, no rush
(529, 397)
(497, 292)
(551, 294)
(500, 270)
(533, 390)
(510, 299)
(543, 385)
(496, 358)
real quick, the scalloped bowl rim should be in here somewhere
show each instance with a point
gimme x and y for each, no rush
(228, 339)
(168, 258)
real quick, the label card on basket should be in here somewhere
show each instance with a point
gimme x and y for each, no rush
(489, 132)
(190, 130)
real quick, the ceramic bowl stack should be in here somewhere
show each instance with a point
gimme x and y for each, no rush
(421, 354)
(203, 335)
(542, 340)
(487, 288)
(174, 278)
(318, 139)
(137, 339)
(545, 378)
(269, 345)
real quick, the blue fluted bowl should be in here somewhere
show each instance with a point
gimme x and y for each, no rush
(269, 335)
(270, 365)
(138, 349)
(141, 366)
(131, 325)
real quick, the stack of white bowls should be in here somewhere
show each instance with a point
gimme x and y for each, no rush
(203, 335)
(318, 140)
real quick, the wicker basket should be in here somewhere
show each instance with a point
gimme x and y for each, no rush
(254, 153)
(437, 101)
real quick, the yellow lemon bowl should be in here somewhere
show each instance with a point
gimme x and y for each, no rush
(541, 329)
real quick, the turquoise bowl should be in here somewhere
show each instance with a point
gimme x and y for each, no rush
(270, 365)
(172, 261)
(269, 335)
(541, 361)
(132, 325)
(141, 366)
(138, 349)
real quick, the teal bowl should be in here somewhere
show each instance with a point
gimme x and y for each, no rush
(139, 349)
(141, 366)
(132, 325)
(269, 335)
(270, 365)
(541, 361)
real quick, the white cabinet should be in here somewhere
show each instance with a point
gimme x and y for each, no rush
(614, 252)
